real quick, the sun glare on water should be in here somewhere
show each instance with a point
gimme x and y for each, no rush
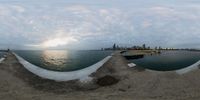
(58, 42)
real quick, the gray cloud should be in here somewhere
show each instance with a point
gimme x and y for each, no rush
(95, 25)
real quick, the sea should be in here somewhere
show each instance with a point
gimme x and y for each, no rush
(63, 60)
(168, 60)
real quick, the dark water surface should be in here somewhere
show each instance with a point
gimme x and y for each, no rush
(168, 60)
(1, 54)
(63, 60)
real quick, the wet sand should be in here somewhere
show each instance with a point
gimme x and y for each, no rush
(16, 83)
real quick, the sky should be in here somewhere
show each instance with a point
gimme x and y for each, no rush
(95, 24)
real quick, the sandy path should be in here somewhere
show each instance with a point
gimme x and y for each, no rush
(16, 83)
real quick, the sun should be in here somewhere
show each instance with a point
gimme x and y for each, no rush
(58, 42)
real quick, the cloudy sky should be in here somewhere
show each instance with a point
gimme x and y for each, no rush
(93, 24)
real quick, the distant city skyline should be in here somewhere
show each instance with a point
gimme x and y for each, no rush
(95, 24)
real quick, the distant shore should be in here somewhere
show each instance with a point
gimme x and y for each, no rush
(134, 84)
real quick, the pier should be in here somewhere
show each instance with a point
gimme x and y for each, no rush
(136, 54)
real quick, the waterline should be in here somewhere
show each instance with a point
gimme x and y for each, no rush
(62, 76)
(1, 59)
(189, 68)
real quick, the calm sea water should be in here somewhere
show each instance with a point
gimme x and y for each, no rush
(168, 60)
(61, 60)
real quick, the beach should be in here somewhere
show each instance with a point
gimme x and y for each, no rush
(17, 83)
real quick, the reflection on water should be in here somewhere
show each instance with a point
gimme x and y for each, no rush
(55, 58)
(63, 60)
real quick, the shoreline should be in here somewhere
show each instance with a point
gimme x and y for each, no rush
(181, 71)
(134, 84)
(82, 74)
(190, 68)
(1, 59)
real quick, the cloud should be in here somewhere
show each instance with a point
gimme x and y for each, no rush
(174, 13)
(95, 26)
(146, 24)
(162, 11)
(58, 42)
(77, 9)
(18, 8)
(4, 11)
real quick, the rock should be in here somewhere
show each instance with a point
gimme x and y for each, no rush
(107, 80)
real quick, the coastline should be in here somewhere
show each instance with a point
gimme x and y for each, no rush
(82, 74)
(134, 84)
(1, 59)
(192, 67)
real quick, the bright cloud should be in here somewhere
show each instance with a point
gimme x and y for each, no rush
(58, 42)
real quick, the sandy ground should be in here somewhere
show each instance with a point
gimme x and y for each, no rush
(16, 83)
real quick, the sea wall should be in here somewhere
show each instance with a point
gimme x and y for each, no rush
(183, 70)
(62, 76)
(1, 59)
(189, 68)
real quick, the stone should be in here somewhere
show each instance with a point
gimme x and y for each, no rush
(107, 80)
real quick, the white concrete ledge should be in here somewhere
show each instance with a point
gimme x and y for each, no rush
(62, 76)
(189, 68)
(1, 59)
